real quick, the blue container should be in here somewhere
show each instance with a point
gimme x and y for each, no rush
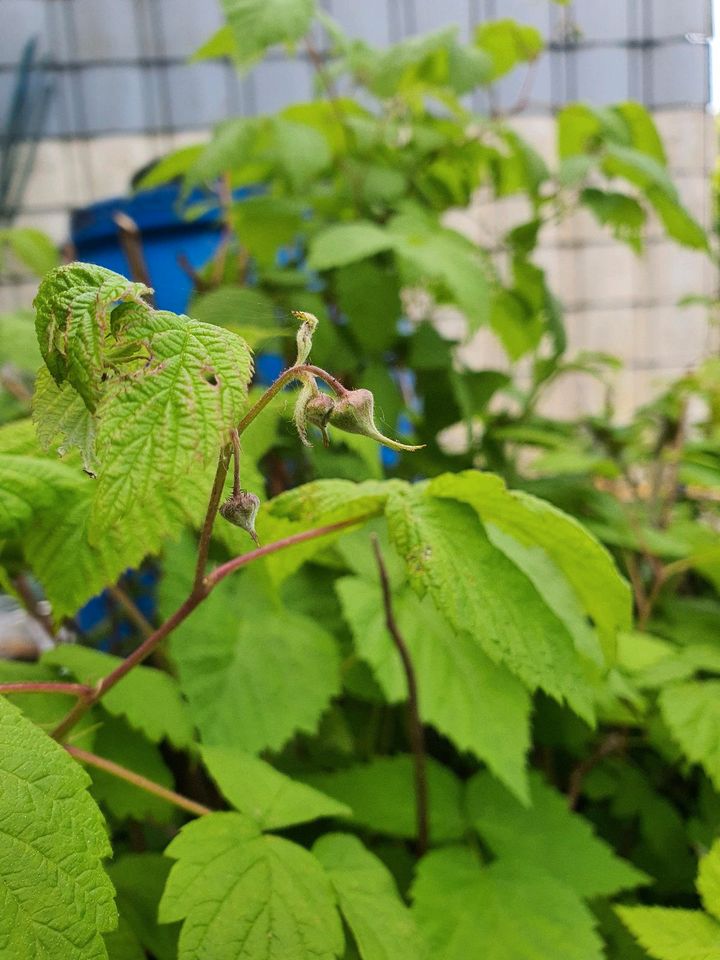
(165, 237)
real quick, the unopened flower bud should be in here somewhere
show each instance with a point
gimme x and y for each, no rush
(355, 413)
(241, 510)
(305, 334)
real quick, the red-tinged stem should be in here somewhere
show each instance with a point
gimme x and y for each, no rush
(71, 689)
(196, 597)
(237, 562)
(177, 799)
(415, 726)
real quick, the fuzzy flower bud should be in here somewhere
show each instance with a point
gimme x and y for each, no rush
(355, 413)
(305, 334)
(241, 511)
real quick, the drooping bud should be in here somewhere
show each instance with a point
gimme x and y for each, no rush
(308, 323)
(241, 510)
(355, 413)
(313, 407)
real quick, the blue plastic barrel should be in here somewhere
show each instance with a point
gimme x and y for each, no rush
(166, 236)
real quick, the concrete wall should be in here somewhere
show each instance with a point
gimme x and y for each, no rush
(124, 94)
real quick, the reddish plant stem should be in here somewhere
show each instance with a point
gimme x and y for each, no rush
(197, 595)
(226, 568)
(208, 522)
(43, 686)
(177, 799)
(235, 438)
(415, 726)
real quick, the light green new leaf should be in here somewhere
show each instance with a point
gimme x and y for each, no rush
(270, 798)
(708, 880)
(505, 911)
(62, 419)
(31, 247)
(381, 794)
(587, 566)
(72, 310)
(692, 713)
(316, 504)
(301, 151)
(253, 672)
(167, 421)
(380, 922)
(28, 485)
(481, 592)
(55, 898)
(18, 342)
(132, 697)
(548, 836)
(344, 243)
(452, 265)
(62, 531)
(242, 895)
(673, 934)
(508, 43)
(258, 24)
(479, 705)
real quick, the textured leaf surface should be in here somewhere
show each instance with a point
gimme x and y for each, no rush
(692, 713)
(482, 592)
(149, 699)
(380, 922)
(253, 672)
(585, 563)
(470, 699)
(270, 798)
(72, 320)
(381, 794)
(548, 836)
(167, 420)
(243, 896)
(62, 419)
(55, 898)
(505, 911)
(27, 484)
(673, 934)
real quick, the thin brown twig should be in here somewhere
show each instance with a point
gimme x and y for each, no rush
(32, 605)
(415, 726)
(614, 742)
(46, 686)
(131, 609)
(131, 243)
(109, 766)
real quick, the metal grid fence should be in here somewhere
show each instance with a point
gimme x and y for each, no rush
(121, 66)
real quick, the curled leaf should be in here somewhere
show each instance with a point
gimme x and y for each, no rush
(305, 334)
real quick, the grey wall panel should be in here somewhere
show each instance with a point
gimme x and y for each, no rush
(679, 74)
(20, 20)
(186, 24)
(122, 64)
(604, 21)
(672, 18)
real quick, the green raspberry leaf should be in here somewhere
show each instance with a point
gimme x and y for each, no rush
(55, 898)
(72, 310)
(243, 895)
(380, 922)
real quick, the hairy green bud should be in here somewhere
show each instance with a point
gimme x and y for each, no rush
(355, 413)
(305, 334)
(241, 510)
